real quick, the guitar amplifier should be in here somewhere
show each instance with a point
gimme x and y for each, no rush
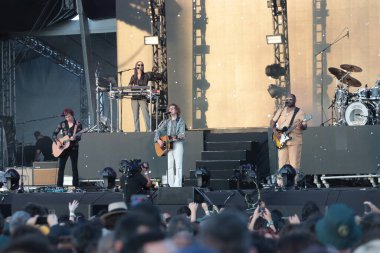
(45, 173)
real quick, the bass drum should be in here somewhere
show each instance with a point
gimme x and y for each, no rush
(359, 114)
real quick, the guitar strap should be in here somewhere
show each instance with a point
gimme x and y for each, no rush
(75, 128)
(294, 115)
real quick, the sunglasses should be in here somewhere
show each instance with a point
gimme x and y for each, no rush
(140, 64)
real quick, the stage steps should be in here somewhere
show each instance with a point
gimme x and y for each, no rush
(224, 151)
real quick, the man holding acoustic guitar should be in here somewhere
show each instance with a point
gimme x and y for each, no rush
(168, 138)
(288, 124)
(67, 146)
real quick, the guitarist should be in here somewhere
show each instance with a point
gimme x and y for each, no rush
(174, 127)
(68, 127)
(286, 117)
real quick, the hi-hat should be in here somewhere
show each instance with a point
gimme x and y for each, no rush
(351, 68)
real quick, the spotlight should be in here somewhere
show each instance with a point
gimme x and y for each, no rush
(109, 177)
(12, 178)
(285, 176)
(248, 172)
(203, 176)
(275, 71)
(277, 91)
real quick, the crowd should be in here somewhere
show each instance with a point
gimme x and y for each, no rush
(143, 229)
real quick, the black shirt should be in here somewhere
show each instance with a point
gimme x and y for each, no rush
(143, 81)
(136, 184)
(44, 145)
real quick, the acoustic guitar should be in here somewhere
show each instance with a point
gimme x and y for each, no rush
(64, 143)
(168, 145)
(281, 137)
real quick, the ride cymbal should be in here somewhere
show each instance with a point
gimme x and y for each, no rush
(351, 68)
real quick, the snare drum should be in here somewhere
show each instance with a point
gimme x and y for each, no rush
(359, 114)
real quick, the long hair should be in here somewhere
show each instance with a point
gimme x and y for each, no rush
(135, 72)
(176, 108)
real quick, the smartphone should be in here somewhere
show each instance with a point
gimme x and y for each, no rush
(367, 208)
(41, 220)
(137, 199)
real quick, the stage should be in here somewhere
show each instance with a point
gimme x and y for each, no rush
(170, 199)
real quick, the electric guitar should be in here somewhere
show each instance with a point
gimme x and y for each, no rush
(64, 143)
(281, 137)
(168, 145)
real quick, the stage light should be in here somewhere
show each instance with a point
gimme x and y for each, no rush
(275, 39)
(12, 178)
(285, 176)
(151, 40)
(109, 178)
(248, 172)
(203, 176)
(277, 91)
(275, 71)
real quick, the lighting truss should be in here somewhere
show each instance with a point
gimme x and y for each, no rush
(52, 54)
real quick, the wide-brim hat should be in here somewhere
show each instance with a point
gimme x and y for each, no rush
(114, 209)
(338, 227)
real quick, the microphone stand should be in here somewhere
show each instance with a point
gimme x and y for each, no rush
(21, 189)
(322, 53)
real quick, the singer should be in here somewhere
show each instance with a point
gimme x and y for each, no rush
(174, 127)
(283, 119)
(140, 78)
(69, 127)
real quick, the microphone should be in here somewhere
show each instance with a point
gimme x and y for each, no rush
(348, 34)
(166, 113)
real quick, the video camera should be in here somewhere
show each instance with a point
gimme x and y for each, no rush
(130, 167)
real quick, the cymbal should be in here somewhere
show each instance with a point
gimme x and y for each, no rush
(338, 73)
(350, 81)
(344, 77)
(351, 68)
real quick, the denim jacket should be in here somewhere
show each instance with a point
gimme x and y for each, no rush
(165, 126)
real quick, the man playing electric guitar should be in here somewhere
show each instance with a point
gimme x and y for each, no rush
(69, 127)
(286, 117)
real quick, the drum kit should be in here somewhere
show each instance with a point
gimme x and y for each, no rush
(357, 108)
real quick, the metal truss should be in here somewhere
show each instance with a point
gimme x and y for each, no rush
(200, 49)
(157, 13)
(52, 54)
(319, 42)
(7, 104)
(65, 62)
(281, 50)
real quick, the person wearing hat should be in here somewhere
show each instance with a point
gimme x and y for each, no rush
(116, 210)
(338, 228)
(69, 127)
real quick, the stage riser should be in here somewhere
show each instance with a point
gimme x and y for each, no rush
(220, 165)
(224, 137)
(221, 146)
(227, 155)
(339, 150)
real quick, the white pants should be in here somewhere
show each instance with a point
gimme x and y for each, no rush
(136, 104)
(175, 158)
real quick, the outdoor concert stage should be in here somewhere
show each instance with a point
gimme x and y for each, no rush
(170, 199)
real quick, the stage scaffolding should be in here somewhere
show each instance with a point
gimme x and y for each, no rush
(157, 13)
(281, 50)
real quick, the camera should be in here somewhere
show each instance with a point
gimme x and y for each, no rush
(130, 167)
(367, 208)
(41, 220)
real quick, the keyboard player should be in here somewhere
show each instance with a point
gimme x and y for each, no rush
(140, 78)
